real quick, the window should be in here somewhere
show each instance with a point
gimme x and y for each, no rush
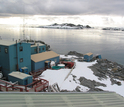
(0, 49)
(21, 59)
(6, 50)
(21, 48)
(43, 49)
(34, 50)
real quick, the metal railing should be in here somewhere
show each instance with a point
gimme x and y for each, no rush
(35, 86)
(37, 72)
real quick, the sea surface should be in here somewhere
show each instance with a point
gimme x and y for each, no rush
(108, 43)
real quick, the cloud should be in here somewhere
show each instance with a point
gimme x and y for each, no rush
(62, 7)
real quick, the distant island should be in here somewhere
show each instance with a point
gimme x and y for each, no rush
(65, 26)
(113, 28)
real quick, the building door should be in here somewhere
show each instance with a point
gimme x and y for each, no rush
(47, 64)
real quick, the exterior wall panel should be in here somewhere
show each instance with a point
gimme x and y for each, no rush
(41, 49)
(8, 60)
(4, 60)
(20, 81)
(88, 58)
(41, 64)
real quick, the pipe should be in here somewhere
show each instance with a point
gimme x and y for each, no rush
(17, 67)
(37, 48)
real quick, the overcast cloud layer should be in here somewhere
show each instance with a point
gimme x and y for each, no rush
(61, 7)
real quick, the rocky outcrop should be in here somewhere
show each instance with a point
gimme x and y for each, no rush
(92, 84)
(65, 26)
(105, 68)
(75, 53)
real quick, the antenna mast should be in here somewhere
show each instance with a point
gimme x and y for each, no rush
(23, 23)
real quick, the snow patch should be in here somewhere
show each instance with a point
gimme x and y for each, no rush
(81, 70)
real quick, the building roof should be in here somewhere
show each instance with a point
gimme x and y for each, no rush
(88, 54)
(40, 44)
(79, 99)
(43, 56)
(19, 75)
(7, 43)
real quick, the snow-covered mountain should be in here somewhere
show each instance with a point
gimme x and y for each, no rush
(65, 26)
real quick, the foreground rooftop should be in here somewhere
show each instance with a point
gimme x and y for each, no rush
(102, 99)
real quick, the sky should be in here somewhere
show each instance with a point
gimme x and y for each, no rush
(44, 12)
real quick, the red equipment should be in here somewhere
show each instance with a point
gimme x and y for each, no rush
(68, 64)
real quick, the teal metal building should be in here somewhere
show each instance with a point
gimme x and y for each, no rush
(14, 56)
(43, 60)
(37, 48)
(88, 56)
(22, 78)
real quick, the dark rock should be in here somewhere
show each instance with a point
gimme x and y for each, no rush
(78, 89)
(75, 53)
(87, 26)
(118, 83)
(113, 81)
(89, 83)
(73, 76)
(98, 72)
(64, 91)
(105, 68)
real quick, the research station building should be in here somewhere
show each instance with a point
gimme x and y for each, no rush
(41, 60)
(37, 48)
(88, 56)
(14, 56)
(22, 78)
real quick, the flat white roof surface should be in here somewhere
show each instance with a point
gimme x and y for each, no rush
(40, 44)
(7, 43)
(18, 74)
(43, 56)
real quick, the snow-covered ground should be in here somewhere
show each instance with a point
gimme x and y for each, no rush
(81, 70)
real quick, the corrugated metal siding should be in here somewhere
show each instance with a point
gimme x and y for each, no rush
(61, 100)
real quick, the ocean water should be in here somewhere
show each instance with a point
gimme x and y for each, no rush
(110, 44)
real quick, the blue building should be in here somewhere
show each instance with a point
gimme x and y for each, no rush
(99, 56)
(88, 56)
(42, 60)
(37, 48)
(14, 56)
(22, 78)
